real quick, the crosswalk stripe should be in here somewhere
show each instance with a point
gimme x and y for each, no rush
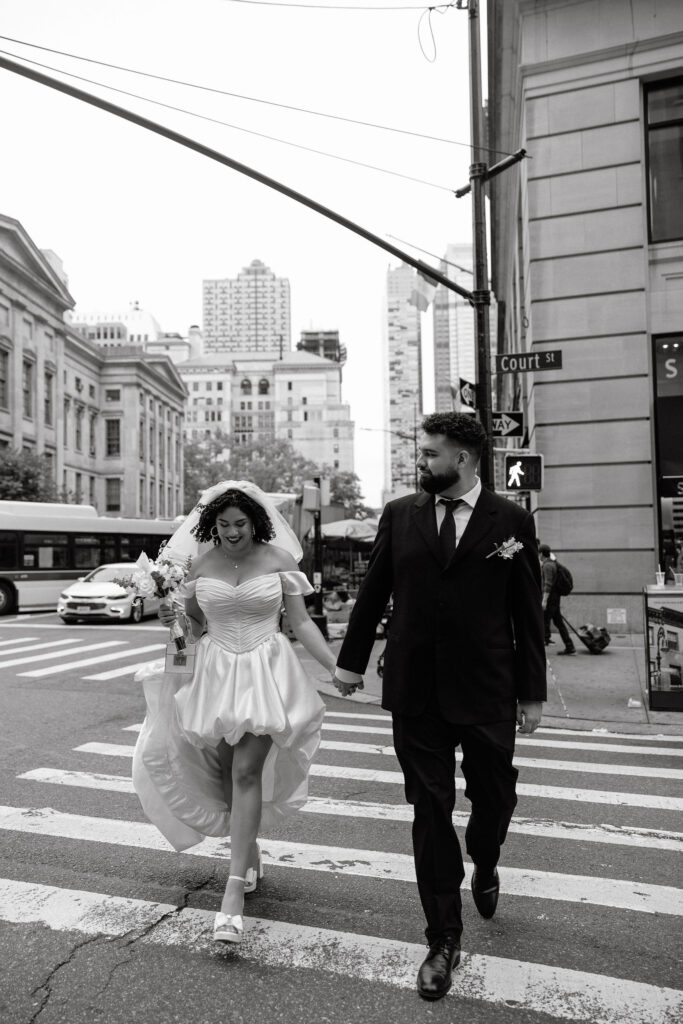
(329, 771)
(127, 670)
(37, 647)
(585, 767)
(539, 988)
(60, 654)
(549, 885)
(613, 835)
(54, 670)
(17, 640)
(521, 741)
(659, 738)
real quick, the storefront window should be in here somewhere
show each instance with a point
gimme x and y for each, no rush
(664, 112)
(668, 366)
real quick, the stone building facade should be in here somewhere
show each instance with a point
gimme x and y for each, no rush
(587, 260)
(109, 419)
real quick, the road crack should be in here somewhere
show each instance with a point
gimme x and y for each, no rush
(46, 987)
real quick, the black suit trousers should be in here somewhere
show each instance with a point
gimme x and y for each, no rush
(425, 746)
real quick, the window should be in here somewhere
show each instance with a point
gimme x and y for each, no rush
(79, 487)
(91, 491)
(92, 445)
(112, 491)
(151, 442)
(195, 385)
(289, 385)
(664, 112)
(112, 438)
(45, 551)
(91, 390)
(141, 440)
(141, 496)
(112, 394)
(219, 385)
(8, 551)
(27, 388)
(304, 400)
(4, 378)
(335, 432)
(49, 411)
(67, 404)
(209, 385)
(79, 430)
(263, 386)
(305, 417)
(245, 387)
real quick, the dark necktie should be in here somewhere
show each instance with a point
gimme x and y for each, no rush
(447, 531)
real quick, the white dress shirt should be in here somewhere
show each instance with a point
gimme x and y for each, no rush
(462, 517)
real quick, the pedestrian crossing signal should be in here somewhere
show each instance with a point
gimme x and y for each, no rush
(523, 472)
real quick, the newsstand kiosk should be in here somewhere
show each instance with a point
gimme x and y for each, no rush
(664, 646)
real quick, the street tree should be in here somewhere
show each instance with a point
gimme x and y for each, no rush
(345, 490)
(26, 476)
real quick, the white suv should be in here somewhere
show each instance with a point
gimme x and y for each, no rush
(95, 596)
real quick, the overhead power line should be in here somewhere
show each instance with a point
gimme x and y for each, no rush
(240, 96)
(336, 7)
(236, 127)
(222, 158)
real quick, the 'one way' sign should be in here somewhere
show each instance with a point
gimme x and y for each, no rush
(508, 424)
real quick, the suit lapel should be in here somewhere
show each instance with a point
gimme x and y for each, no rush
(424, 517)
(481, 522)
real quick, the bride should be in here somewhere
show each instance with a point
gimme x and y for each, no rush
(228, 751)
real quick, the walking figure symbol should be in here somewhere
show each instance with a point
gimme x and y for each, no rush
(515, 474)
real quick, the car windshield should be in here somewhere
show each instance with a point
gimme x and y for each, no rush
(108, 573)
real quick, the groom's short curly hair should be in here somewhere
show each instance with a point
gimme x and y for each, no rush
(233, 498)
(461, 427)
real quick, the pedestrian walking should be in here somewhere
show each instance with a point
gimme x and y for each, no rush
(228, 751)
(464, 662)
(552, 594)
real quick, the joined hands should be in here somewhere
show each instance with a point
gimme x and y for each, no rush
(346, 689)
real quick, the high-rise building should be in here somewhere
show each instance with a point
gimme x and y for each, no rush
(133, 326)
(249, 313)
(404, 373)
(454, 342)
(323, 343)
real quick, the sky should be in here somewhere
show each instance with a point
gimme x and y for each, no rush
(135, 217)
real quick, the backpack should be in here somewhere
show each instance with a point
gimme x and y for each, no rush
(564, 584)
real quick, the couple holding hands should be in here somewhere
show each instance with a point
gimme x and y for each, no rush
(228, 752)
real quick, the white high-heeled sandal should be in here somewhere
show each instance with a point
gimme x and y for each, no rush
(254, 874)
(228, 927)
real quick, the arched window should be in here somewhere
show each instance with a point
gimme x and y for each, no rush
(245, 387)
(263, 386)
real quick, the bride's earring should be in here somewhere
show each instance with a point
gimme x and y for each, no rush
(214, 534)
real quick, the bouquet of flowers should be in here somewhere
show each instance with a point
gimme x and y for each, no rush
(159, 578)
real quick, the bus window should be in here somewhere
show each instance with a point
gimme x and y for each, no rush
(87, 552)
(109, 552)
(8, 550)
(45, 551)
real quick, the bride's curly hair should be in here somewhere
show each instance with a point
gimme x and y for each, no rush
(260, 520)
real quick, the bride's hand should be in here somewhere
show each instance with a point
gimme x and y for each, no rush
(167, 615)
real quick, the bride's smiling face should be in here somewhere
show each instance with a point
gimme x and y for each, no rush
(235, 530)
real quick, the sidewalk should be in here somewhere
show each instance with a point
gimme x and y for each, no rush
(585, 691)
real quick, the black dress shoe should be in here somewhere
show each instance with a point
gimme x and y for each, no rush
(434, 977)
(485, 889)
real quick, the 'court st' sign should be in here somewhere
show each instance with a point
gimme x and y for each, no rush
(524, 362)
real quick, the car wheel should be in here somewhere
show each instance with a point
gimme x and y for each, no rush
(7, 599)
(68, 619)
(136, 610)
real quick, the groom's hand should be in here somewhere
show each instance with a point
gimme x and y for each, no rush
(346, 689)
(529, 715)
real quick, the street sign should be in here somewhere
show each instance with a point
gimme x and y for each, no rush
(508, 424)
(524, 362)
(523, 472)
(671, 487)
(467, 393)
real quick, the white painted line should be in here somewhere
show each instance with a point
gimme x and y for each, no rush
(329, 771)
(522, 741)
(612, 835)
(547, 885)
(37, 647)
(18, 640)
(535, 988)
(39, 673)
(60, 654)
(585, 767)
(127, 670)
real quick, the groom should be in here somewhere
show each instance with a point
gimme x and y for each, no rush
(465, 661)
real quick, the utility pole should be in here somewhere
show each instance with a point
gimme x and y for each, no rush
(481, 295)
(318, 615)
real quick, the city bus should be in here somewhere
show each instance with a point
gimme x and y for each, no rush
(45, 546)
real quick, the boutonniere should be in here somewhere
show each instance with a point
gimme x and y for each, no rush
(508, 549)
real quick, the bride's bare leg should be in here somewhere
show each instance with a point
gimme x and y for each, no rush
(225, 755)
(247, 766)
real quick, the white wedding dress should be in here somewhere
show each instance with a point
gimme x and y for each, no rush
(247, 679)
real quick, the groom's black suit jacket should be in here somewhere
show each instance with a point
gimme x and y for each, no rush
(471, 631)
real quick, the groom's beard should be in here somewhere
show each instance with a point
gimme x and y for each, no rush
(436, 483)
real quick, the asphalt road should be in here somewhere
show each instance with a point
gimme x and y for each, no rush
(101, 922)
